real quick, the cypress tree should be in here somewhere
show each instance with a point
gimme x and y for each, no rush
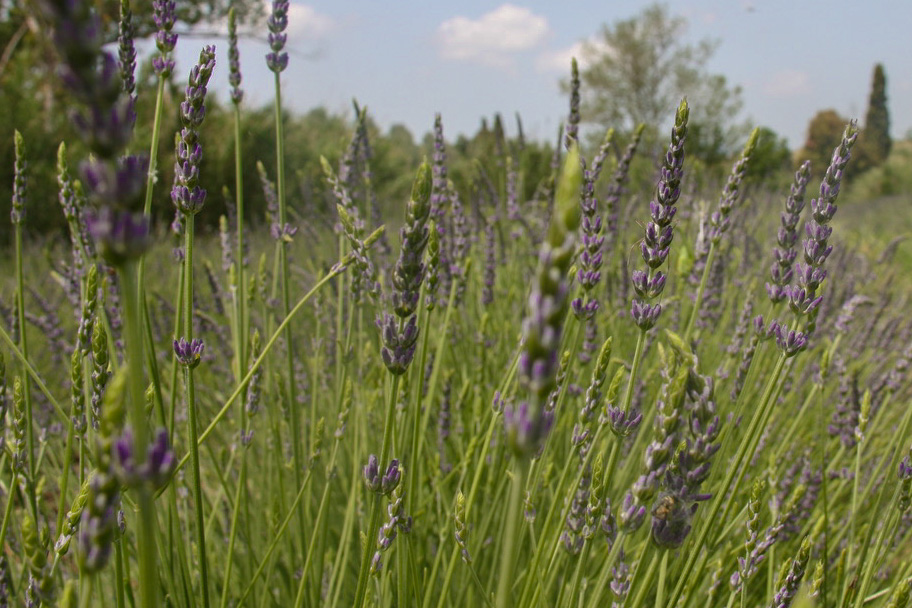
(877, 119)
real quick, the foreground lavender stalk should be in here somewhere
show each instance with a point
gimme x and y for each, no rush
(188, 198)
(115, 187)
(398, 335)
(528, 423)
(649, 284)
(781, 272)
(802, 297)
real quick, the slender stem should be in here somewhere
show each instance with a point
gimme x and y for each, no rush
(148, 567)
(241, 267)
(26, 383)
(699, 298)
(285, 280)
(634, 370)
(511, 534)
(275, 541)
(660, 587)
(192, 431)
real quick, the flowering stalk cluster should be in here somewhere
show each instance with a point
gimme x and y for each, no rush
(165, 14)
(104, 118)
(277, 59)
(127, 49)
(590, 258)
(582, 431)
(719, 220)
(527, 424)
(234, 60)
(353, 227)
(755, 548)
(398, 521)
(802, 297)
(399, 331)
(781, 271)
(618, 186)
(659, 454)
(789, 587)
(649, 284)
(571, 132)
(20, 181)
(186, 194)
(440, 194)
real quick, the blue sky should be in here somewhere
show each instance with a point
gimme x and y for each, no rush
(407, 60)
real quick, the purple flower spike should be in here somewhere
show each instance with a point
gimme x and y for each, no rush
(164, 14)
(391, 478)
(119, 235)
(234, 59)
(277, 59)
(371, 473)
(189, 353)
(659, 233)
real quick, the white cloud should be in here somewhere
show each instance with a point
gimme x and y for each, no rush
(787, 83)
(494, 37)
(558, 60)
(305, 22)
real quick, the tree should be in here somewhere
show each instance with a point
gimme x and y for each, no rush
(638, 70)
(824, 134)
(874, 142)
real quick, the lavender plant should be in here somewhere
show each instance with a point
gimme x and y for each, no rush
(550, 496)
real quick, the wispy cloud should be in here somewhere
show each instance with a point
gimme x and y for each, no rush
(787, 83)
(558, 60)
(305, 22)
(493, 38)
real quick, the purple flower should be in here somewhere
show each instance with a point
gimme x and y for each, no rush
(234, 59)
(126, 48)
(164, 14)
(119, 235)
(189, 353)
(277, 60)
(186, 194)
(656, 243)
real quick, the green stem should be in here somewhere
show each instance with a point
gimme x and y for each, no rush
(511, 534)
(241, 268)
(275, 540)
(26, 384)
(699, 298)
(295, 414)
(146, 533)
(376, 503)
(192, 415)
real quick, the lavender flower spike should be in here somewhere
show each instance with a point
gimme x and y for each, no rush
(399, 331)
(802, 297)
(656, 244)
(20, 181)
(277, 59)
(781, 272)
(164, 14)
(527, 424)
(187, 194)
(234, 59)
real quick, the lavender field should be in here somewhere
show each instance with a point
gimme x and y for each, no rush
(603, 376)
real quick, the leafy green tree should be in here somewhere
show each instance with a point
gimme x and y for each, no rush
(824, 134)
(771, 158)
(638, 70)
